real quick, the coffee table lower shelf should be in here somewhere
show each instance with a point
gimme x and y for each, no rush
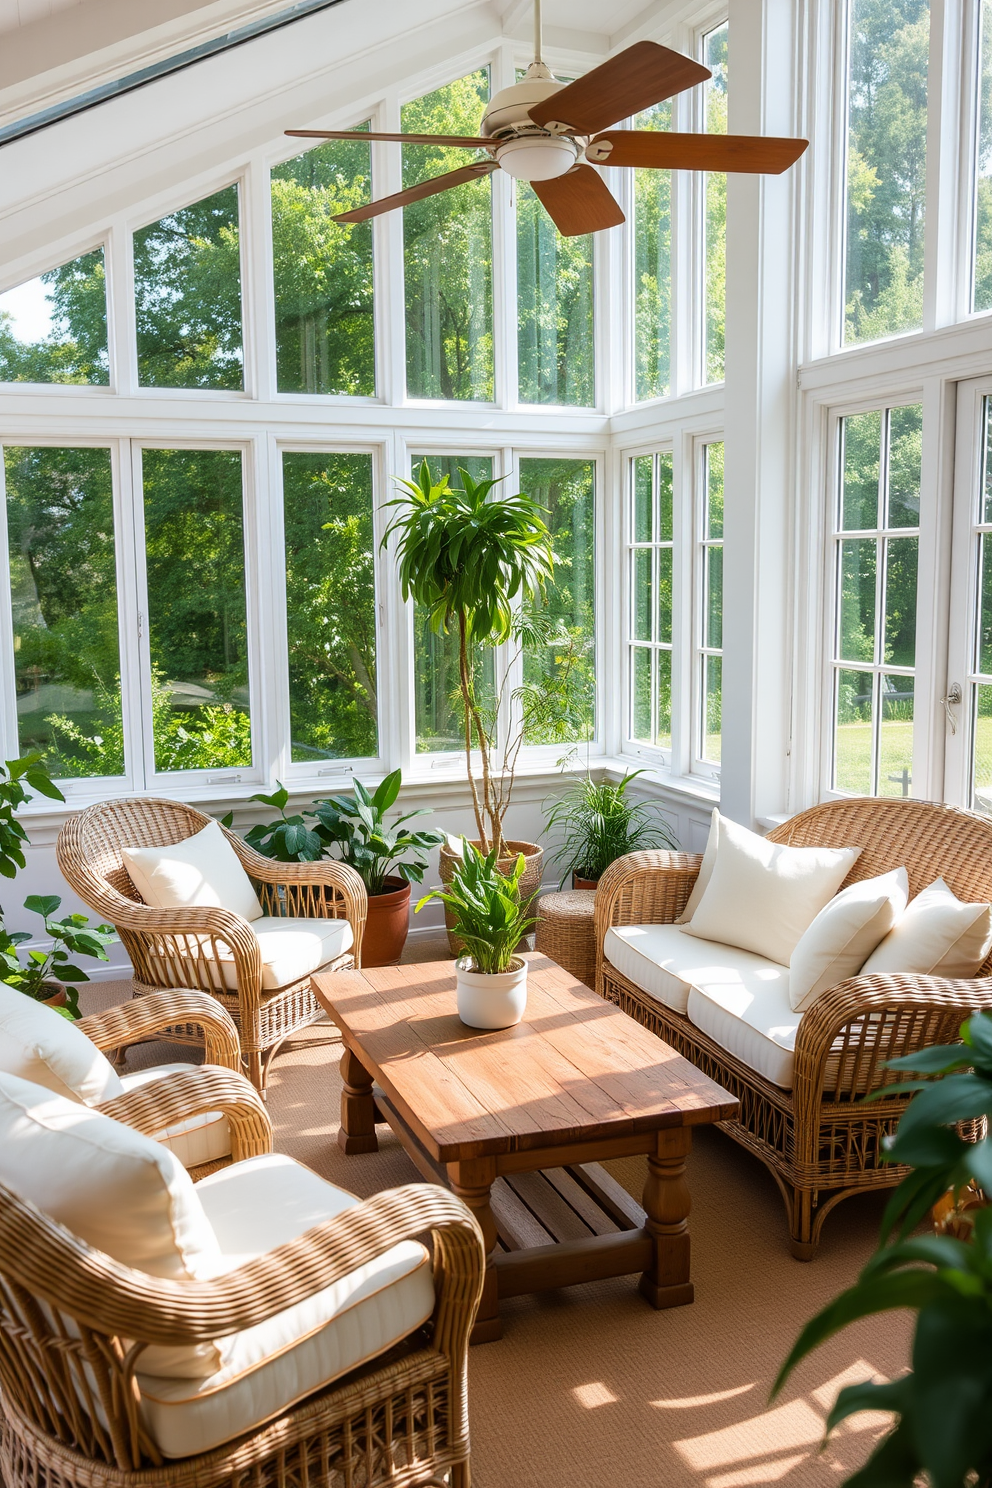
(558, 1226)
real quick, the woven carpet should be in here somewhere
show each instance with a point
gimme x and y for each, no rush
(589, 1387)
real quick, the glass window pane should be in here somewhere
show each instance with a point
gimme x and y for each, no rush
(437, 698)
(448, 252)
(330, 605)
(564, 669)
(197, 627)
(886, 169)
(652, 268)
(712, 708)
(665, 528)
(985, 604)
(325, 340)
(714, 598)
(554, 309)
(905, 464)
(895, 737)
(987, 482)
(640, 694)
(642, 498)
(60, 519)
(861, 446)
(665, 596)
(982, 758)
(982, 292)
(852, 741)
(663, 737)
(187, 295)
(642, 586)
(901, 565)
(715, 58)
(54, 328)
(714, 490)
(858, 562)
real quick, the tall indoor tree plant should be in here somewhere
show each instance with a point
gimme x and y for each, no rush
(471, 563)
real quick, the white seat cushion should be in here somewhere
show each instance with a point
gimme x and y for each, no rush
(37, 1045)
(253, 1207)
(291, 949)
(201, 870)
(748, 1013)
(666, 963)
(116, 1189)
(199, 1139)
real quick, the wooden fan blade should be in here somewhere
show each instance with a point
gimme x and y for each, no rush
(663, 150)
(417, 193)
(469, 141)
(580, 202)
(642, 75)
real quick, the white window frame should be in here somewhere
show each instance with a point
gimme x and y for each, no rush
(700, 650)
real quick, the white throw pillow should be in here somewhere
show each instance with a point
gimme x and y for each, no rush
(37, 1045)
(116, 1189)
(762, 895)
(938, 935)
(844, 934)
(202, 870)
(705, 871)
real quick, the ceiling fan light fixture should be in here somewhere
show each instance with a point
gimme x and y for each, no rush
(537, 157)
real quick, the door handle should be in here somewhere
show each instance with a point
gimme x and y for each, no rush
(952, 700)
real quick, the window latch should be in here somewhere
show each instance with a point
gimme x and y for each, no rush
(952, 700)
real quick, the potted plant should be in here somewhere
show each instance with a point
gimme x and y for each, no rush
(479, 568)
(943, 1405)
(387, 857)
(46, 972)
(491, 918)
(600, 824)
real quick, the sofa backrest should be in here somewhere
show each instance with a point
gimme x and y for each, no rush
(929, 840)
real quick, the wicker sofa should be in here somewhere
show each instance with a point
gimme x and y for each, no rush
(820, 1142)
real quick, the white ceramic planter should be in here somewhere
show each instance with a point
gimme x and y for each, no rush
(491, 1000)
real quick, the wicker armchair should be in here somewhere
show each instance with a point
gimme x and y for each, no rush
(73, 1324)
(186, 947)
(171, 1101)
(819, 1141)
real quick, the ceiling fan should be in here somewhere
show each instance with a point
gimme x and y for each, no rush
(541, 131)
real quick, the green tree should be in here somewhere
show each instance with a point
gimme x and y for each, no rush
(715, 192)
(887, 123)
(75, 349)
(653, 268)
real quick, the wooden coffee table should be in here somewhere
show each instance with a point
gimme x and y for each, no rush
(516, 1122)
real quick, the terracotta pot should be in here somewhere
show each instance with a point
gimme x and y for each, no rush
(530, 882)
(584, 883)
(56, 997)
(388, 924)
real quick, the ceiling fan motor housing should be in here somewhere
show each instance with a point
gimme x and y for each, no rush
(526, 151)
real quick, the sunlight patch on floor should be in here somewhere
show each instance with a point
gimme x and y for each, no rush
(687, 1402)
(594, 1394)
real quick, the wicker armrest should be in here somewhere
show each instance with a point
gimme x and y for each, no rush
(643, 888)
(113, 1299)
(850, 1032)
(146, 1016)
(177, 1096)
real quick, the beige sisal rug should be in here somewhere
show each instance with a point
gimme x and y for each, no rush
(589, 1388)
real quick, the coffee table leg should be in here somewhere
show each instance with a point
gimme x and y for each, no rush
(666, 1200)
(357, 1130)
(471, 1180)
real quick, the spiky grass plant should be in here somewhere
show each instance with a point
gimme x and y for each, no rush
(600, 824)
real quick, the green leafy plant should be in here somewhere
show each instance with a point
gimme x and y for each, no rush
(600, 824)
(943, 1406)
(491, 917)
(14, 775)
(73, 935)
(357, 826)
(468, 562)
(287, 840)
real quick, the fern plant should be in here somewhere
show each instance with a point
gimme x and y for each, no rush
(600, 824)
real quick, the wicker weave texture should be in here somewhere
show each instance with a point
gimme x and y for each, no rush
(172, 948)
(72, 1405)
(566, 932)
(819, 1141)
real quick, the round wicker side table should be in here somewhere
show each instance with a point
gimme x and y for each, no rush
(566, 934)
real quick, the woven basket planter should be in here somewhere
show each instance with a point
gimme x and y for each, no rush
(529, 884)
